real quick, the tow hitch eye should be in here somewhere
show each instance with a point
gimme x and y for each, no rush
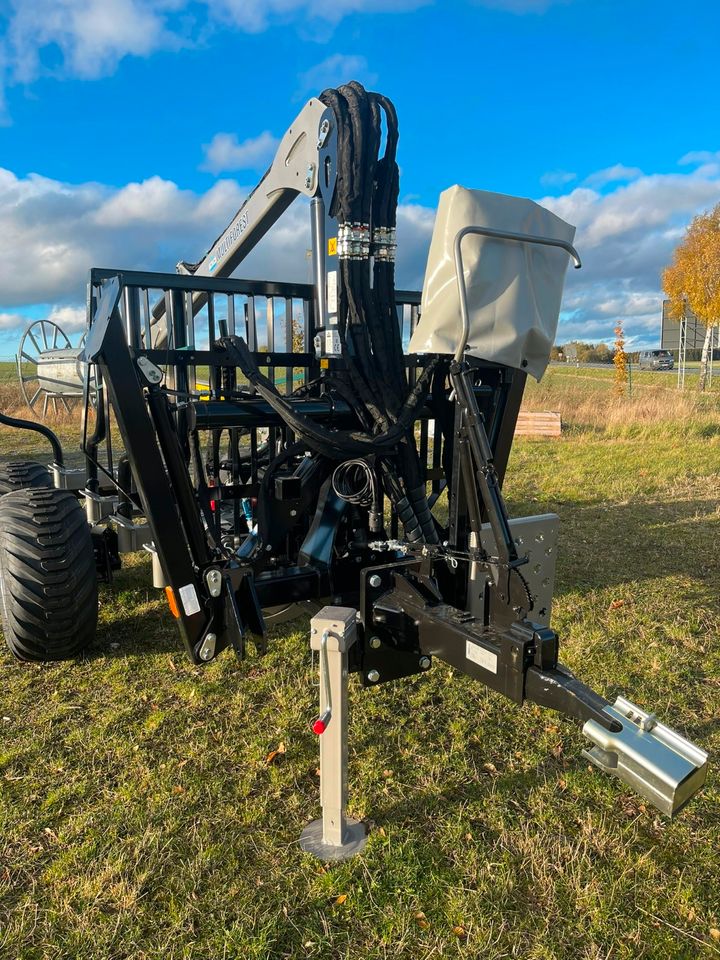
(657, 762)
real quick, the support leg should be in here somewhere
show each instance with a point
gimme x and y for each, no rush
(334, 836)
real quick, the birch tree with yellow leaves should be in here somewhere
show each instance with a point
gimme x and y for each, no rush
(693, 278)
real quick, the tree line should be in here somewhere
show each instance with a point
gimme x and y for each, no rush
(584, 352)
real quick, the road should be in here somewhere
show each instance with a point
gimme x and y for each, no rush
(607, 366)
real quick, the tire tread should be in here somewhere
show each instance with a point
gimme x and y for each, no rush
(47, 568)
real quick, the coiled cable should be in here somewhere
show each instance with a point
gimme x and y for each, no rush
(355, 482)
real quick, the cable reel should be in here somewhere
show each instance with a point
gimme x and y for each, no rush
(50, 370)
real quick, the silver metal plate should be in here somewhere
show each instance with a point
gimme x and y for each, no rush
(535, 538)
(354, 840)
(662, 765)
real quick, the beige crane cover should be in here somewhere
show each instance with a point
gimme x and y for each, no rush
(513, 289)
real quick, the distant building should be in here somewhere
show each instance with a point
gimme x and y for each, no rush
(670, 335)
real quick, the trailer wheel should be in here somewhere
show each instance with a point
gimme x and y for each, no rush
(48, 581)
(21, 474)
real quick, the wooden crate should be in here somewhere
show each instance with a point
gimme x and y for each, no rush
(536, 423)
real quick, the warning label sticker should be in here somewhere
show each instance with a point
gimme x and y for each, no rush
(332, 291)
(332, 342)
(482, 657)
(189, 597)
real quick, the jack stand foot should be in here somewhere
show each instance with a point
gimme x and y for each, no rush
(354, 839)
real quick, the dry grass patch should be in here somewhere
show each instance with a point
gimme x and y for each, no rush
(586, 401)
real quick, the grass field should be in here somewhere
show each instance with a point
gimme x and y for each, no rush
(142, 817)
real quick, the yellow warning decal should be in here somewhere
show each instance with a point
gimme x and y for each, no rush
(332, 246)
(324, 364)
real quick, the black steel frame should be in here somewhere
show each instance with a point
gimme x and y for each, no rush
(413, 602)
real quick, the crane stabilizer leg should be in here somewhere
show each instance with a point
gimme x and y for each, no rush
(334, 836)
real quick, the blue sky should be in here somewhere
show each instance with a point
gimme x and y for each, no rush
(132, 129)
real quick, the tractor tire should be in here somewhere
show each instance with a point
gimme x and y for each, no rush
(21, 474)
(48, 581)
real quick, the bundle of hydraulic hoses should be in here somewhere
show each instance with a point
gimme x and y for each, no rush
(376, 386)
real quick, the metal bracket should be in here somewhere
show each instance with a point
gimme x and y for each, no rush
(207, 650)
(334, 836)
(131, 536)
(147, 368)
(69, 478)
(663, 766)
(498, 235)
(98, 508)
(159, 578)
(214, 580)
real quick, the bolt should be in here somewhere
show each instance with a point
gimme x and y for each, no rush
(293, 513)
(373, 676)
(424, 663)
(375, 642)
(268, 548)
(374, 580)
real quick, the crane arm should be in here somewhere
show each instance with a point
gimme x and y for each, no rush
(303, 160)
(304, 164)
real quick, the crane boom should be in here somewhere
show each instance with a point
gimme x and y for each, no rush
(304, 164)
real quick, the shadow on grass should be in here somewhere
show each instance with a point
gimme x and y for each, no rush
(604, 546)
(125, 631)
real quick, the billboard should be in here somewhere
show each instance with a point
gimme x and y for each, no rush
(670, 336)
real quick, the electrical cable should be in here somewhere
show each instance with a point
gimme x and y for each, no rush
(354, 481)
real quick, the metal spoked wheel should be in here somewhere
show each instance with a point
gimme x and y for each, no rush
(41, 337)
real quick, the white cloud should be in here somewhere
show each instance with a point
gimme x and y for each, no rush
(521, 6)
(256, 15)
(557, 178)
(696, 157)
(224, 153)
(618, 173)
(625, 238)
(69, 319)
(52, 232)
(414, 230)
(12, 321)
(334, 70)
(89, 38)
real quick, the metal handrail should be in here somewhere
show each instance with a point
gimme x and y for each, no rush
(496, 235)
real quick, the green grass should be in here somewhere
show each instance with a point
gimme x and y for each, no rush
(140, 819)
(8, 372)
